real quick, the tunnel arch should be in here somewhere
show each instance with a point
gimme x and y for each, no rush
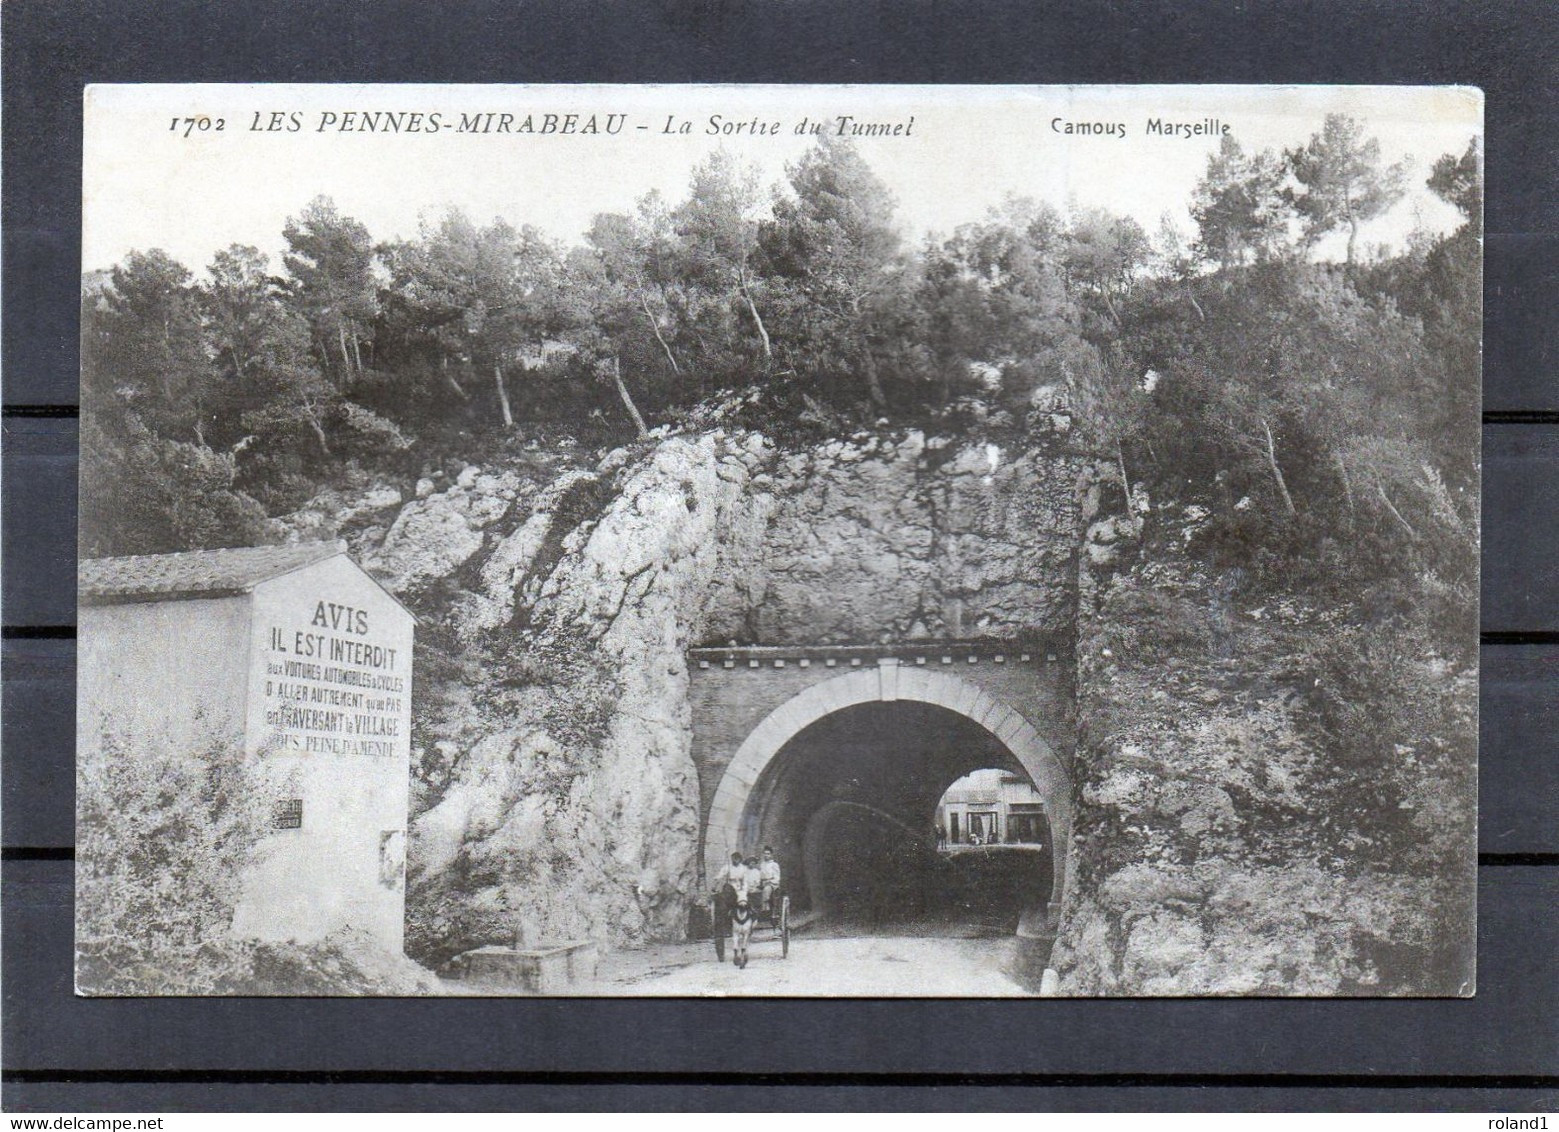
(889, 681)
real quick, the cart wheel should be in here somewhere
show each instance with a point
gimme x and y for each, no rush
(785, 928)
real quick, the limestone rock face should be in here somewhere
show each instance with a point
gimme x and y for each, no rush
(359, 514)
(570, 809)
(436, 534)
(1221, 927)
(879, 538)
(1214, 851)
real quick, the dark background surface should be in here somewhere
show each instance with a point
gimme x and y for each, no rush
(1497, 1052)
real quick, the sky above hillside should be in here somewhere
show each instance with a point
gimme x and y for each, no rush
(958, 151)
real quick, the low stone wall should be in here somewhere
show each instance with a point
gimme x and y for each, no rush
(542, 970)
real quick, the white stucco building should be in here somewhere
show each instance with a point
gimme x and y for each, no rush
(298, 658)
(998, 806)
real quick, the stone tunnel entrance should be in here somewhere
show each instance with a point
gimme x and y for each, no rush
(843, 777)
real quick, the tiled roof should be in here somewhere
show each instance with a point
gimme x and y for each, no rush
(195, 573)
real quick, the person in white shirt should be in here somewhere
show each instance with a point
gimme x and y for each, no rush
(731, 886)
(736, 875)
(768, 880)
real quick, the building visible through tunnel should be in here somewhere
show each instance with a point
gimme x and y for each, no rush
(991, 807)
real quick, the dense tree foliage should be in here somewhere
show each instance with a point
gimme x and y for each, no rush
(1341, 181)
(1323, 412)
(1240, 208)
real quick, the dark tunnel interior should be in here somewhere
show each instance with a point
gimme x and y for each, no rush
(849, 806)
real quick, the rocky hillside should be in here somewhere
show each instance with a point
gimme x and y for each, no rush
(1231, 838)
(1234, 832)
(556, 796)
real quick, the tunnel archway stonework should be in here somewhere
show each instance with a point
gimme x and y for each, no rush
(888, 680)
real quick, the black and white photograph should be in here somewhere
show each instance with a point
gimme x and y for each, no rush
(779, 541)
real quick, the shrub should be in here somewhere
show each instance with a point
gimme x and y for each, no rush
(162, 837)
(1400, 725)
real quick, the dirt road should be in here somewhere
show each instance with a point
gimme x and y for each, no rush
(856, 966)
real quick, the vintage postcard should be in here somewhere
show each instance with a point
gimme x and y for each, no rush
(759, 540)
